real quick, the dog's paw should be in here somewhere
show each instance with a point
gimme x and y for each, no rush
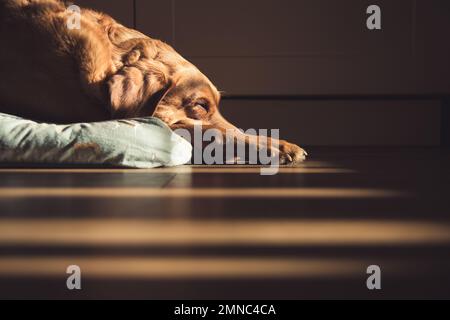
(290, 154)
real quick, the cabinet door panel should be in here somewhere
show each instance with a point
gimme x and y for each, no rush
(342, 122)
(265, 28)
(155, 19)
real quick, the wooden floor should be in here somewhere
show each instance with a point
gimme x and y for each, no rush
(228, 232)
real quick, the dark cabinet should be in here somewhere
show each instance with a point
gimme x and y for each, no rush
(308, 47)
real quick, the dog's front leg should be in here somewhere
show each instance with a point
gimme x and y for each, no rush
(241, 147)
(285, 152)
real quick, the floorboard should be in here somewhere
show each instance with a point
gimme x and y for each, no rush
(228, 232)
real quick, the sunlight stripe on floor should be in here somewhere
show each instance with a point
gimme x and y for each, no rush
(349, 193)
(270, 232)
(181, 267)
(184, 170)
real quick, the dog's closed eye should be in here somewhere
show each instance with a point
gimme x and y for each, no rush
(202, 104)
(198, 110)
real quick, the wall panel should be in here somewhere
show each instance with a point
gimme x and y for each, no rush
(342, 122)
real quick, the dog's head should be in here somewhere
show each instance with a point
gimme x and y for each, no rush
(190, 100)
(156, 81)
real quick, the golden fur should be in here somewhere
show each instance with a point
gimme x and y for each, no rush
(101, 71)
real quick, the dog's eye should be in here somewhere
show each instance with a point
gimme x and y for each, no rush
(198, 111)
(203, 105)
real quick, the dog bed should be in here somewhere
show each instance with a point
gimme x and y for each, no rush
(134, 143)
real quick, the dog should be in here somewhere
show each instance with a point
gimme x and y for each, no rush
(103, 71)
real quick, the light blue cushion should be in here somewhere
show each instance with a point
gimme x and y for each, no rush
(134, 143)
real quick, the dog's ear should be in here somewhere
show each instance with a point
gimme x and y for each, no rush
(135, 93)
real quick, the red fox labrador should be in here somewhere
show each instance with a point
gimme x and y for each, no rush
(102, 71)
